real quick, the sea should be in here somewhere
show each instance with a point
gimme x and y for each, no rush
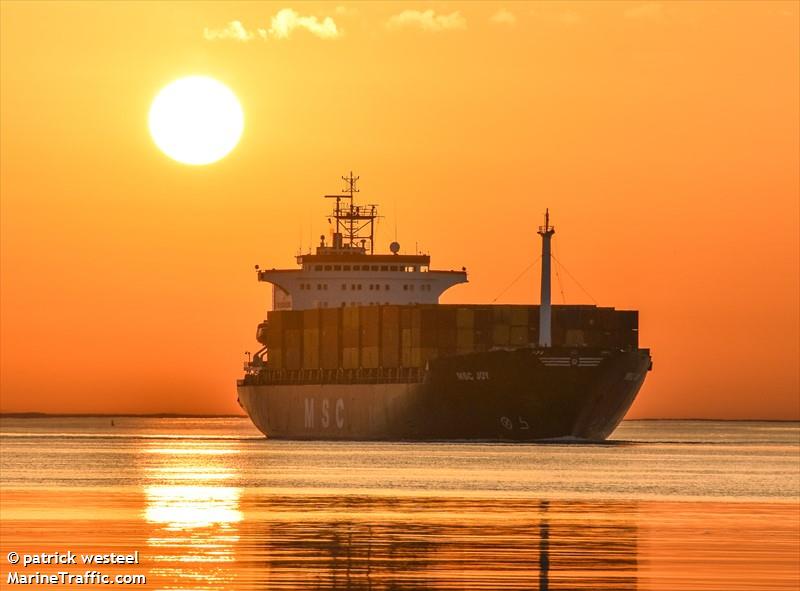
(208, 503)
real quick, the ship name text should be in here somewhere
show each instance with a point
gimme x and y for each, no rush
(469, 376)
(329, 414)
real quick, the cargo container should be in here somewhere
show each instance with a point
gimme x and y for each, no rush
(465, 318)
(518, 335)
(390, 337)
(350, 358)
(330, 345)
(292, 348)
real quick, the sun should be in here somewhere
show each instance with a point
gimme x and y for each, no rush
(196, 120)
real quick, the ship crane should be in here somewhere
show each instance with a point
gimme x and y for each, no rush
(545, 310)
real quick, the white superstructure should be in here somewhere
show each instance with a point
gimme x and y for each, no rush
(348, 273)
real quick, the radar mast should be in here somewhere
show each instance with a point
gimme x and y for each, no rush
(355, 224)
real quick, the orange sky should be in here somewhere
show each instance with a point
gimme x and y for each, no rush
(663, 137)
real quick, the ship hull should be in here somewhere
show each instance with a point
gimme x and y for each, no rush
(504, 395)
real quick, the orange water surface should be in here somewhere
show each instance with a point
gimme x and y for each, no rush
(211, 505)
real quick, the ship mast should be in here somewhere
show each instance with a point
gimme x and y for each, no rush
(355, 224)
(545, 311)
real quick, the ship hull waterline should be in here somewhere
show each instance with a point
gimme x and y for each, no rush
(503, 395)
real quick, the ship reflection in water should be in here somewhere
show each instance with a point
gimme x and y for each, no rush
(207, 534)
(369, 543)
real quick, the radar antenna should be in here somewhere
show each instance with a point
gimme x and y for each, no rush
(351, 184)
(355, 224)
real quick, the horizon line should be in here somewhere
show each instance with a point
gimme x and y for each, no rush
(162, 415)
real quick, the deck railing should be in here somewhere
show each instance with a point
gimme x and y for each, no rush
(379, 375)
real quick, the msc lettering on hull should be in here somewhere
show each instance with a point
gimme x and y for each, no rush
(324, 413)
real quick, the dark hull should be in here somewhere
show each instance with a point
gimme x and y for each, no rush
(504, 395)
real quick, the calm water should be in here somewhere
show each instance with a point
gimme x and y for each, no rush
(209, 504)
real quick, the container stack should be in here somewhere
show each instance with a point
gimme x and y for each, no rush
(311, 338)
(373, 337)
(370, 333)
(465, 330)
(293, 339)
(331, 347)
(350, 337)
(390, 336)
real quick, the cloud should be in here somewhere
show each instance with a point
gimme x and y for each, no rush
(646, 11)
(234, 30)
(287, 20)
(503, 17)
(282, 25)
(427, 21)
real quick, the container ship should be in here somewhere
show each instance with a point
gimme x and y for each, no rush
(357, 347)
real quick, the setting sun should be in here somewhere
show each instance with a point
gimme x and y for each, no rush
(196, 120)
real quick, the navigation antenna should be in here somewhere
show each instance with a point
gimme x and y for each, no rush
(355, 224)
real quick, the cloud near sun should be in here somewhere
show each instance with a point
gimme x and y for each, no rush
(282, 25)
(427, 21)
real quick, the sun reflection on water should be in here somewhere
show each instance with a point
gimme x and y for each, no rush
(185, 507)
(194, 512)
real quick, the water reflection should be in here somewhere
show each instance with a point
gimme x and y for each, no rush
(207, 533)
(188, 507)
(243, 514)
(194, 513)
(438, 543)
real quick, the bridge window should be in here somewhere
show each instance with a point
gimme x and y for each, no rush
(356, 267)
(327, 267)
(374, 267)
(337, 267)
(386, 287)
(346, 268)
(384, 267)
(318, 267)
(359, 287)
